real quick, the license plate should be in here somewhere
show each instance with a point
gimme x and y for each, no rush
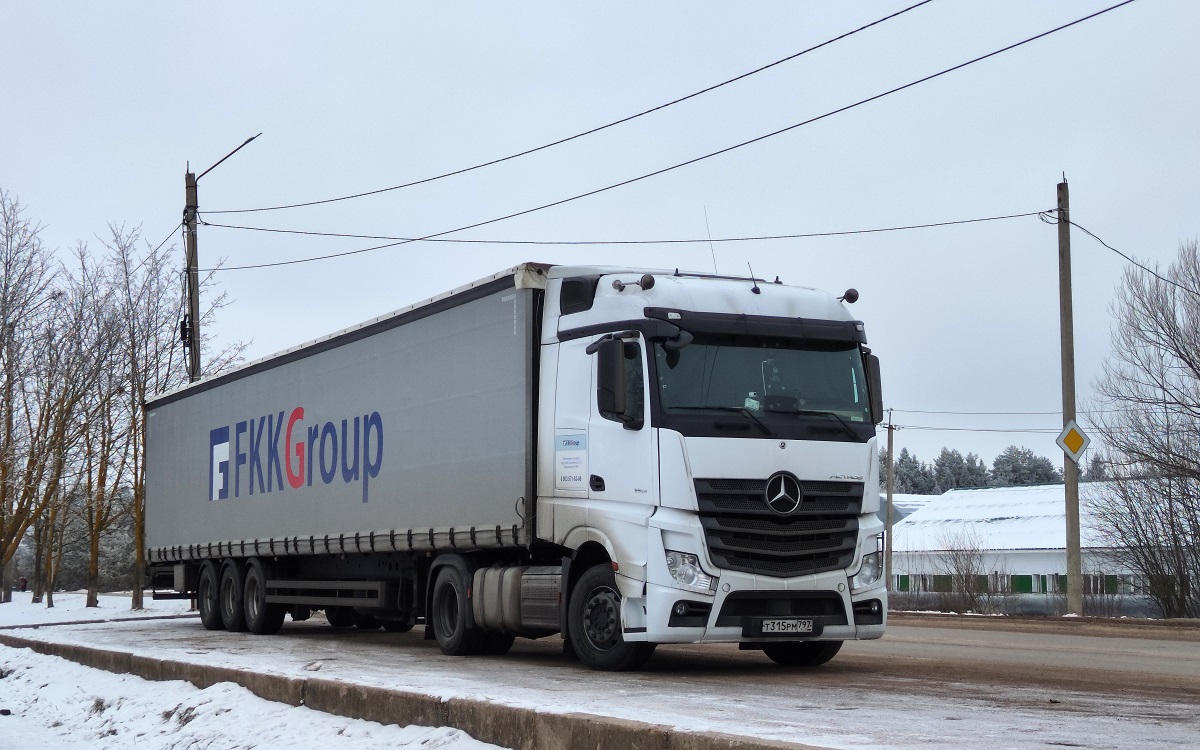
(780, 627)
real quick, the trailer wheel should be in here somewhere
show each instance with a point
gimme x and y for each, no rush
(365, 622)
(208, 597)
(802, 653)
(261, 618)
(233, 611)
(594, 624)
(340, 617)
(449, 616)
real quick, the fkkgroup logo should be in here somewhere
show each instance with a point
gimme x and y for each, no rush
(263, 449)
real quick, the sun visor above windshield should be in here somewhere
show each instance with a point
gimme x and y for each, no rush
(736, 324)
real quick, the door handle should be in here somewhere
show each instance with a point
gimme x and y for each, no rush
(596, 483)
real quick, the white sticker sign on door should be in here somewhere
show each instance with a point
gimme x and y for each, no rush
(570, 461)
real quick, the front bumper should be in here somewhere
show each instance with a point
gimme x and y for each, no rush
(734, 611)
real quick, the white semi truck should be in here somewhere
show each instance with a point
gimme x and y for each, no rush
(622, 457)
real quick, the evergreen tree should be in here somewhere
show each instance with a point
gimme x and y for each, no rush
(913, 477)
(1097, 469)
(949, 469)
(1021, 466)
(977, 474)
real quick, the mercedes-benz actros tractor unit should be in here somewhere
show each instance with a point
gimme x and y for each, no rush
(619, 456)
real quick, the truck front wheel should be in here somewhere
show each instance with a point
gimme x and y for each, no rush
(261, 618)
(208, 599)
(594, 624)
(449, 615)
(802, 653)
(233, 612)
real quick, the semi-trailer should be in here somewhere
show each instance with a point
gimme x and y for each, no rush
(621, 457)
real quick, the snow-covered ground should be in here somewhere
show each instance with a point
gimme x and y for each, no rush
(69, 607)
(834, 708)
(56, 703)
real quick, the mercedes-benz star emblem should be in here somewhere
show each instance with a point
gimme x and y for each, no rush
(783, 493)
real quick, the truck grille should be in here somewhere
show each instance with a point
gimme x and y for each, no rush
(743, 533)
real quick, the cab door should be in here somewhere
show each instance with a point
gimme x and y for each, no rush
(622, 449)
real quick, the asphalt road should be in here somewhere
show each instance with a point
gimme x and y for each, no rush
(1091, 656)
(929, 683)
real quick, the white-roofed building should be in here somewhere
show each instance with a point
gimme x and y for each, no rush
(1019, 534)
(903, 505)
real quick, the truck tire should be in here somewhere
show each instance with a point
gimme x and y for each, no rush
(594, 624)
(208, 596)
(261, 618)
(233, 611)
(802, 653)
(449, 614)
(340, 617)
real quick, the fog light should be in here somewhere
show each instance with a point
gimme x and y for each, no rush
(685, 569)
(682, 608)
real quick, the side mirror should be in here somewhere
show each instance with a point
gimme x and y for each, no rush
(610, 378)
(874, 387)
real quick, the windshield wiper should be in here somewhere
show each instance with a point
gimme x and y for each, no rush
(818, 413)
(735, 409)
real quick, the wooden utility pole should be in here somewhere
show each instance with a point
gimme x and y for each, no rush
(190, 329)
(891, 483)
(1070, 469)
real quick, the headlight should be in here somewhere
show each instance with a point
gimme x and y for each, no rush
(870, 572)
(685, 569)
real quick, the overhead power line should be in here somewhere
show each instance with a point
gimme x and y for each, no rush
(983, 413)
(977, 429)
(585, 133)
(1148, 270)
(697, 240)
(168, 237)
(697, 159)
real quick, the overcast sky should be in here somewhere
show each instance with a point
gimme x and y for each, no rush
(106, 104)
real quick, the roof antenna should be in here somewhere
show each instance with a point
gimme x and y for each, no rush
(711, 249)
(753, 280)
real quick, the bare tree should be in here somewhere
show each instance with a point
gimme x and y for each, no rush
(81, 350)
(964, 560)
(1151, 393)
(42, 379)
(148, 294)
(51, 539)
(101, 450)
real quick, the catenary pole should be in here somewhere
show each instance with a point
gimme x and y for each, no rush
(1070, 469)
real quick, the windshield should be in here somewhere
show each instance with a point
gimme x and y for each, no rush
(813, 390)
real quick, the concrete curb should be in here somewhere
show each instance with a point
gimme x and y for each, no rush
(507, 726)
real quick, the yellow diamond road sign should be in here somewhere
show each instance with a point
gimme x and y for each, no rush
(1073, 441)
